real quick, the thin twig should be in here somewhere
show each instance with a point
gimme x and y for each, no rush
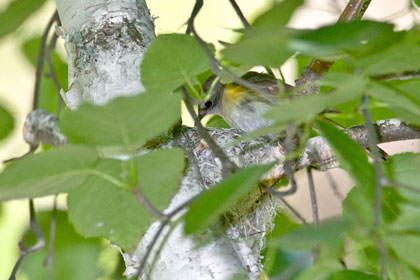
(50, 64)
(147, 204)
(49, 259)
(152, 243)
(160, 230)
(289, 164)
(400, 76)
(382, 255)
(50, 49)
(197, 7)
(373, 141)
(213, 62)
(274, 193)
(227, 165)
(313, 196)
(161, 246)
(240, 14)
(40, 60)
(401, 186)
(354, 9)
(33, 225)
(40, 240)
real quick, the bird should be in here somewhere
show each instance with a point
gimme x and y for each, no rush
(239, 106)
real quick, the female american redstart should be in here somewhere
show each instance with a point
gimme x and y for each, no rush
(241, 107)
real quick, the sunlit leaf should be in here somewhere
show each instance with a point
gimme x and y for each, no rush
(328, 233)
(217, 121)
(344, 37)
(406, 246)
(159, 175)
(398, 102)
(123, 121)
(100, 208)
(218, 199)
(396, 59)
(51, 172)
(349, 87)
(260, 46)
(410, 88)
(171, 61)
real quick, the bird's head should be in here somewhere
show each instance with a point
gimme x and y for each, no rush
(214, 89)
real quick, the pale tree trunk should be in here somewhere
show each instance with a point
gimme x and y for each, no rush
(105, 43)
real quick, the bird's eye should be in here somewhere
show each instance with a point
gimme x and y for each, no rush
(208, 104)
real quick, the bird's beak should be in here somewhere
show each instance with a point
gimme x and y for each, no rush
(201, 113)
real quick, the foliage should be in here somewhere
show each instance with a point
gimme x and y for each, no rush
(6, 123)
(102, 187)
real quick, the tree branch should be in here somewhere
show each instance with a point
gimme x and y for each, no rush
(355, 9)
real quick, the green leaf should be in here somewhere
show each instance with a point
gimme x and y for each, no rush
(6, 123)
(278, 14)
(358, 207)
(327, 233)
(350, 155)
(217, 122)
(406, 246)
(75, 257)
(159, 175)
(51, 172)
(100, 208)
(398, 102)
(260, 46)
(16, 13)
(417, 2)
(171, 61)
(404, 168)
(275, 259)
(349, 87)
(409, 88)
(48, 97)
(396, 59)
(283, 224)
(344, 37)
(352, 275)
(321, 269)
(391, 204)
(123, 121)
(207, 208)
